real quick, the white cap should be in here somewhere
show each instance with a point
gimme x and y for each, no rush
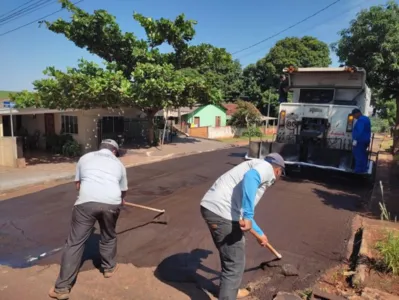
(275, 158)
(112, 143)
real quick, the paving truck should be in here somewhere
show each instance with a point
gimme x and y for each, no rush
(315, 129)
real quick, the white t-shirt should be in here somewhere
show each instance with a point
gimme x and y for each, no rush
(224, 198)
(102, 178)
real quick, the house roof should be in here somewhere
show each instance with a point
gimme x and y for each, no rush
(183, 110)
(175, 112)
(230, 107)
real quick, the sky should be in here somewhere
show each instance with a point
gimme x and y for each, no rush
(230, 24)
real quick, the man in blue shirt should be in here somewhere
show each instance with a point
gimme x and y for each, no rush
(361, 136)
(228, 208)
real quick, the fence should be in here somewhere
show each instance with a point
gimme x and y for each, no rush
(224, 132)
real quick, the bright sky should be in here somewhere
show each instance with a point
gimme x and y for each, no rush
(232, 24)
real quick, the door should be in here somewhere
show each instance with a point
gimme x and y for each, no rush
(197, 121)
(49, 125)
(217, 121)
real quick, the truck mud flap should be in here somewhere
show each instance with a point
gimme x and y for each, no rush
(316, 157)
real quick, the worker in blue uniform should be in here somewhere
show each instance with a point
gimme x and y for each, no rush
(361, 136)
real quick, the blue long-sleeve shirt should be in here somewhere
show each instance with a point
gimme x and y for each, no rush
(362, 130)
(250, 185)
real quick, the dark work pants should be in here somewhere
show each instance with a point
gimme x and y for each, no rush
(84, 217)
(230, 242)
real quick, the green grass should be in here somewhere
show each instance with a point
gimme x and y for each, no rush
(387, 144)
(389, 246)
(5, 94)
(389, 249)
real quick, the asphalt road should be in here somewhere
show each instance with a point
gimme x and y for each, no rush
(308, 222)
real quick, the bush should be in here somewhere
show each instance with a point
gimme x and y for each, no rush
(71, 148)
(379, 125)
(252, 132)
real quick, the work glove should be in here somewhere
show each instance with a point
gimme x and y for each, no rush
(354, 143)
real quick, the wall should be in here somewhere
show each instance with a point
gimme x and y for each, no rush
(1, 126)
(207, 115)
(230, 132)
(8, 152)
(201, 132)
(87, 124)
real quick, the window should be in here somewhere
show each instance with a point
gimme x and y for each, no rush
(69, 124)
(113, 125)
(319, 96)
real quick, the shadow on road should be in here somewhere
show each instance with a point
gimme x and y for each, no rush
(92, 250)
(180, 271)
(237, 154)
(338, 190)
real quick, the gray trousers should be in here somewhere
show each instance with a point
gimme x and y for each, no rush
(84, 217)
(230, 242)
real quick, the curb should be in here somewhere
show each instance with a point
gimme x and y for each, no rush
(69, 178)
(359, 277)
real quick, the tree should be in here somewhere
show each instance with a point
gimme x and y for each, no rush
(301, 52)
(245, 115)
(261, 78)
(372, 42)
(136, 73)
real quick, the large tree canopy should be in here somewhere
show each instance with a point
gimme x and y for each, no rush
(136, 73)
(261, 79)
(372, 42)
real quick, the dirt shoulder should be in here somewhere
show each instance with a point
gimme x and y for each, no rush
(128, 283)
(366, 272)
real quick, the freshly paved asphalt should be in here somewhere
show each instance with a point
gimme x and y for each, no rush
(308, 222)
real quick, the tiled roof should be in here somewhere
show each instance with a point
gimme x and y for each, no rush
(231, 108)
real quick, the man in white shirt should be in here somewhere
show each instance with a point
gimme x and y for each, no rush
(102, 184)
(228, 209)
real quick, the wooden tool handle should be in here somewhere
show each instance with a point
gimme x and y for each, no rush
(270, 247)
(144, 207)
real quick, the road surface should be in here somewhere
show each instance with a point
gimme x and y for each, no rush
(308, 222)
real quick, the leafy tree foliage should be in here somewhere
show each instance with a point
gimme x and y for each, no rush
(246, 114)
(372, 42)
(136, 73)
(262, 78)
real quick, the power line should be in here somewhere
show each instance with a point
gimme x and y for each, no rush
(26, 11)
(311, 28)
(37, 20)
(16, 8)
(288, 28)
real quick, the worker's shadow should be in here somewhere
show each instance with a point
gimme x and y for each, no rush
(92, 251)
(180, 271)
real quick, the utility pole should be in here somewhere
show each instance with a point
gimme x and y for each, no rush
(268, 111)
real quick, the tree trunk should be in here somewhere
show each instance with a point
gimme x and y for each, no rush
(395, 147)
(151, 126)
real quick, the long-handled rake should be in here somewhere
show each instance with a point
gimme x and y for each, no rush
(159, 218)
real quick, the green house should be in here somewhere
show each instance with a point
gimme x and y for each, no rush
(206, 116)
